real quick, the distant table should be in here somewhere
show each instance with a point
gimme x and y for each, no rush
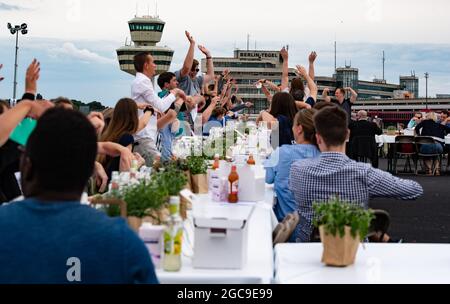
(259, 268)
(377, 264)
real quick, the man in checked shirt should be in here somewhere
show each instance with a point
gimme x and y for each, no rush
(334, 174)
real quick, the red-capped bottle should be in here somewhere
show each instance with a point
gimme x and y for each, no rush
(234, 186)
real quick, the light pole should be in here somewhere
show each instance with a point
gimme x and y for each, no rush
(15, 31)
(426, 89)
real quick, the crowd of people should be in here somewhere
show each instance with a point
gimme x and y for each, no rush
(66, 149)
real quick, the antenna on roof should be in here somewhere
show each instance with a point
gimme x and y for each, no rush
(156, 9)
(248, 42)
(384, 61)
(136, 10)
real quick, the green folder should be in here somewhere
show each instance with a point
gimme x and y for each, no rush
(23, 131)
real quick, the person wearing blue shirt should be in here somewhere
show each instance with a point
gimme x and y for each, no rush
(278, 167)
(50, 237)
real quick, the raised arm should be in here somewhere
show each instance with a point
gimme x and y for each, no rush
(206, 115)
(168, 118)
(354, 96)
(285, 77)
(209, 64)
(189, 60)
(11, 119)
(311, 84)
(325, 95)
(312, 59)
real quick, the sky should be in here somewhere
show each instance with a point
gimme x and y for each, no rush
(75, 40)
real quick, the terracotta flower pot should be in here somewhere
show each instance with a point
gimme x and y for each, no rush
(200, 184)
(339, 252)
(135, 223)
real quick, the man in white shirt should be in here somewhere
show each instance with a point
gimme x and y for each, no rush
(143, 93)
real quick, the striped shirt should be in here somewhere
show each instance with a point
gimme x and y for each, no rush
(334, 174)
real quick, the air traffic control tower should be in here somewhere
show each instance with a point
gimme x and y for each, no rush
(146, 32)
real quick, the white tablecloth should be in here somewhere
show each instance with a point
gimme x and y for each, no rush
(390, 139)
(377, 264)
(259, 268)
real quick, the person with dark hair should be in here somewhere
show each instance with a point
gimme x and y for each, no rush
(124, 124)
(144, 94)
(282, 113)
(187, 77)
(430, 127)
(345, 103)
(168, 81)
(333, 174)
(279, 165)
(75, 237)
(9, 120)
(444, 119)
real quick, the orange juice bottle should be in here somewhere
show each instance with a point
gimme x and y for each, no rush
(251, 161)
(234, 186)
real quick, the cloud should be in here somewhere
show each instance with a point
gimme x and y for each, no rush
(9, 7)
(85, 55)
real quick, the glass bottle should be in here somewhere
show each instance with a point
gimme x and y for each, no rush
(114, 189)
(216, 164)
(173, 238)
(233, 180)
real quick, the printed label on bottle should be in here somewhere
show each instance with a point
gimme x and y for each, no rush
(234, 187)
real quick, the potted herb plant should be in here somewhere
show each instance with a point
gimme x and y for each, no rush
(145, 199)
(174, 180)
(198, 167)
(342, 226)
(391, 130)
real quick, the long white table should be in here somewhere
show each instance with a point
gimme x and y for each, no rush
(260, 264)
(390, 139)
(377, 264)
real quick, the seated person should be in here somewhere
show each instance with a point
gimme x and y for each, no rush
(279, 165)
(281, 114)
(417, 119)
(122, 128)
(364, 128)
(50, 238)
(430, 127)
(334, 174)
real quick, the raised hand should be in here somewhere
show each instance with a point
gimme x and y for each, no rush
(302, 71)
(284, 54)
(189, 37)
(32, 76)
(204, 50)
(312, 57)
(249, 105)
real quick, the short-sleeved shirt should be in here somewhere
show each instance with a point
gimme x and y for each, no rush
(190, 86)
(346, 106)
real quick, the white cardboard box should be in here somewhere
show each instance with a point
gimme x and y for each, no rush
(221, 236)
